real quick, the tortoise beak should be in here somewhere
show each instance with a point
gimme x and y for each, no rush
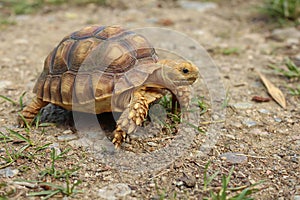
(185, 82)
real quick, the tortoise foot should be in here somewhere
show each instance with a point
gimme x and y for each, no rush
(30, 111)
(119, 137)
(21, 122)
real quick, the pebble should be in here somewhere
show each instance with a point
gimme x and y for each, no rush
(56, 147)
(199, 6)
(179, 183)
(242, 105)
(21, 41)
(152, 185)
(292, 41)
(71, 15)
(249, 122)
(285, 34)
(297, 197)
(68, 131)
(277, 119)
(4, 84)
(67, 137)
(264, 111)
(114, 191)
(189, 181)
(259, 132)
(295, 159)
(230, 136)
(234, 158)
(152, 144)
(8, 172)
(82, 142)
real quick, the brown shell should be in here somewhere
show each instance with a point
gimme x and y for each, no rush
(86, 65)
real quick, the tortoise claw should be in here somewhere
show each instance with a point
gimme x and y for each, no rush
(119, 137)
(21, 123)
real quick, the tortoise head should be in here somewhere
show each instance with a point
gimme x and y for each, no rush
(179, 72)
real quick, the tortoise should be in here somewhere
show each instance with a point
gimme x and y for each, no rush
(108, 69)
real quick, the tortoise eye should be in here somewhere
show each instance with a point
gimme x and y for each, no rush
(184, 70)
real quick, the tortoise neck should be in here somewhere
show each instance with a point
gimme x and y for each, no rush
(159, 78)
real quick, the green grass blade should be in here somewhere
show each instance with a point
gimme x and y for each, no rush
(19, 136)
(14, 103)
(4, 138)
(24, 120)
(21, 100)
(50, 195)
(45, 146)
(41, 193)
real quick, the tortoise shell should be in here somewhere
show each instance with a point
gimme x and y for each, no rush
(87, 63)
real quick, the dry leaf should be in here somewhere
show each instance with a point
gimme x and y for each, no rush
(165, 22)
(275, 93)
(260, 99)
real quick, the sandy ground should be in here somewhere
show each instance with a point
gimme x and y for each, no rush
(266, 135)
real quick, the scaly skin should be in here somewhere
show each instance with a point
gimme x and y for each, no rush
(137, 110)
(30, 111)
(135, 114)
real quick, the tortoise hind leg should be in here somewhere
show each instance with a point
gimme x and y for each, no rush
(31, 110)
(135, 114)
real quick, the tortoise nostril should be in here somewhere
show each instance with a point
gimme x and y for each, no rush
(185, 70)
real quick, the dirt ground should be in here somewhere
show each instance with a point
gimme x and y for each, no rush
(266, 135)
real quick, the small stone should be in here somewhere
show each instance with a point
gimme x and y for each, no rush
(297, 197)
(236, 124)
(8, 172)
(258, 132)
(55, 146)
(249, 122)
(234, 158)
(67, 137)
(268, 172)
(82, 142)
(264, 111)
(68, 131)
(199, 32)
(230, 136)
(114, 191)
(189, 181)
(4, 84)
(292, 41)
(152, 144)
(285, 33)
(295, 159)
(179, 183)
(242, 105)
(71, 15)
(199, 6)
(152, 185)
(277, 119)
(21, 41)
(215, 117)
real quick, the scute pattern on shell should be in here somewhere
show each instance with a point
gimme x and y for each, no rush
(85, 55)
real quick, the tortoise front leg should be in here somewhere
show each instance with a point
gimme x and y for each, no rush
(31, 110)
(134, 115)
(180, 101)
